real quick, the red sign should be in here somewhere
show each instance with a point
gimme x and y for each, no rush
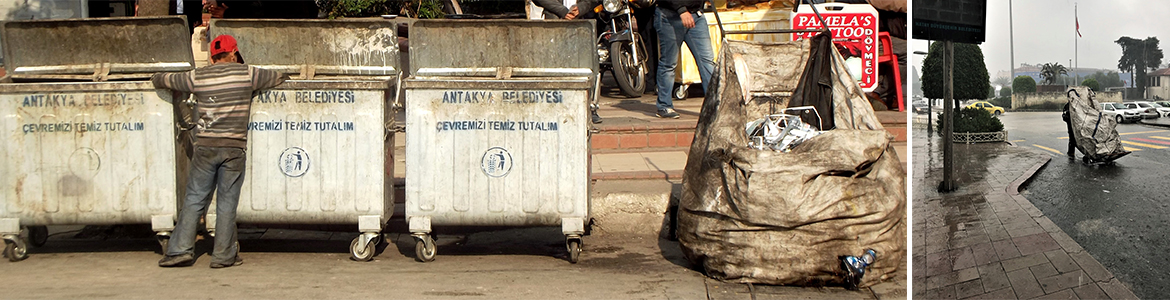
(855, 34)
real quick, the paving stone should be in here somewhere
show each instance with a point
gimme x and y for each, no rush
(1043, 271)
(1005, 293)
(963, 258)
(941, 293)
(993, 277)
(1048, 225)
(1025, 231)
(1024, 284)
(967, 274)
(1090, 291)
(1024, 262)
(984, 253)
(1066, 242)
(1059, 295)
(1091, 266)
(1035, 243)
(1116, 290)
(1062, 261)
(997, 233)
(1063, 281)
(968, 289)
(942, 280)
(939, 263)
(1006, 249)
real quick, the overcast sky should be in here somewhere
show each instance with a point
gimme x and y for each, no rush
(1044, 31)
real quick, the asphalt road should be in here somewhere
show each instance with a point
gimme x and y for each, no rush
(1119, 213)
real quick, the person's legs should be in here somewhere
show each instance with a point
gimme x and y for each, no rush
(231, 178)
(668, 47)
(200, 182)
(698, 39)
(1072, 141)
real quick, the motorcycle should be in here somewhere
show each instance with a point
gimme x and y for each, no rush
(619, 46)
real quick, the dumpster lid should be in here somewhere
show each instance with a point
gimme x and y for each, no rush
(315, 47)
(96, 49)
(521, 48)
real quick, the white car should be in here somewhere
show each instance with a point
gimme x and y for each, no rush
(1145, 109)
(1120, 112)
(1163, 108)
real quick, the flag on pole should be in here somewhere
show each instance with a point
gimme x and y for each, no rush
(1078, 20)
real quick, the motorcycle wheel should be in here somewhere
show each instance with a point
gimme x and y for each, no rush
(630, 74)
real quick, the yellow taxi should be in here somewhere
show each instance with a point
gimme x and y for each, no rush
(991, 108)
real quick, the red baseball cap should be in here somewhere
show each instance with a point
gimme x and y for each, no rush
(223, 44)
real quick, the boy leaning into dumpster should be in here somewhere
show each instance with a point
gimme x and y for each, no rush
(223, 93)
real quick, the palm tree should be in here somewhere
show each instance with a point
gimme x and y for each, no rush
(1052, 71)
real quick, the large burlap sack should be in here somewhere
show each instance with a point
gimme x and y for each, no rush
(1094, 131)
(760, 216)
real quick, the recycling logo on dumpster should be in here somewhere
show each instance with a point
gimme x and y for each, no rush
(294, 162)
(496, 162)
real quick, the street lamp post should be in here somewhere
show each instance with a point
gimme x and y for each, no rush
(948, 183)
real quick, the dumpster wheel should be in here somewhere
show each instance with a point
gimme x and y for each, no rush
(574, 247)
(680, 91)
(15, 249)
(359, 253)
(163, 241)
(424, 248)
(38, 235)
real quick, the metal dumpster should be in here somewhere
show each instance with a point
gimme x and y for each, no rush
(497, 126)
(89, 140)
(320, 146)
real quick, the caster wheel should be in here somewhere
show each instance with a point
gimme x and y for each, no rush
(38, 235)
(574, 246)
(15, 250)
(1086, 160)
(359, 253)
(680, 91)
(424, 249)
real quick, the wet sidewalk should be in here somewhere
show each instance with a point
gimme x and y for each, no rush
(984, 240)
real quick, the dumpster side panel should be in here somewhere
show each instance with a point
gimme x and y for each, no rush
(315, 156)
(91, 158)
(497, 156)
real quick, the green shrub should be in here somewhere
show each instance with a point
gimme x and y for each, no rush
(973, 120)
(1005, 101)
(1005, 92)
(1024, 84)
(1092, 84)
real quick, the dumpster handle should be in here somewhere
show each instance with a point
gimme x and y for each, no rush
(723, 33)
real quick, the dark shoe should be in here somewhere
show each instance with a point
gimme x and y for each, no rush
(182, 260)
(595, 118)
(668, 113)
(238, 261)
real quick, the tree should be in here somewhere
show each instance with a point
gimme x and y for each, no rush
(1051, 72)
(1092, 84)
(1107, 80)
(970, 73)
(1139, 57)
(1024, 84)
(1005, 91)
(1002, 81)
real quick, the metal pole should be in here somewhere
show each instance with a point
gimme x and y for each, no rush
(1012, 36)
(948, 183)
(1076, 77)
(929, 105)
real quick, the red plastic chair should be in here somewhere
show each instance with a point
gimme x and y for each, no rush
(887, 58)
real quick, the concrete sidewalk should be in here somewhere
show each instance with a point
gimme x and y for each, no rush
(984, 240)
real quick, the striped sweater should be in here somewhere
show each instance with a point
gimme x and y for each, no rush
(223, 94)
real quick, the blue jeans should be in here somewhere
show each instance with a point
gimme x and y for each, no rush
(212, 169)
(671, 35)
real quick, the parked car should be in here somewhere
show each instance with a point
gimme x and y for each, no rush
(1163, 108)
(991, 108)
(920, 106)
(1119, 112)
(1145, 109)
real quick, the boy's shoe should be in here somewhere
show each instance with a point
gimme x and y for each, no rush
(238, 261)
(595, 118)
(182, 260)
(668, 113)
